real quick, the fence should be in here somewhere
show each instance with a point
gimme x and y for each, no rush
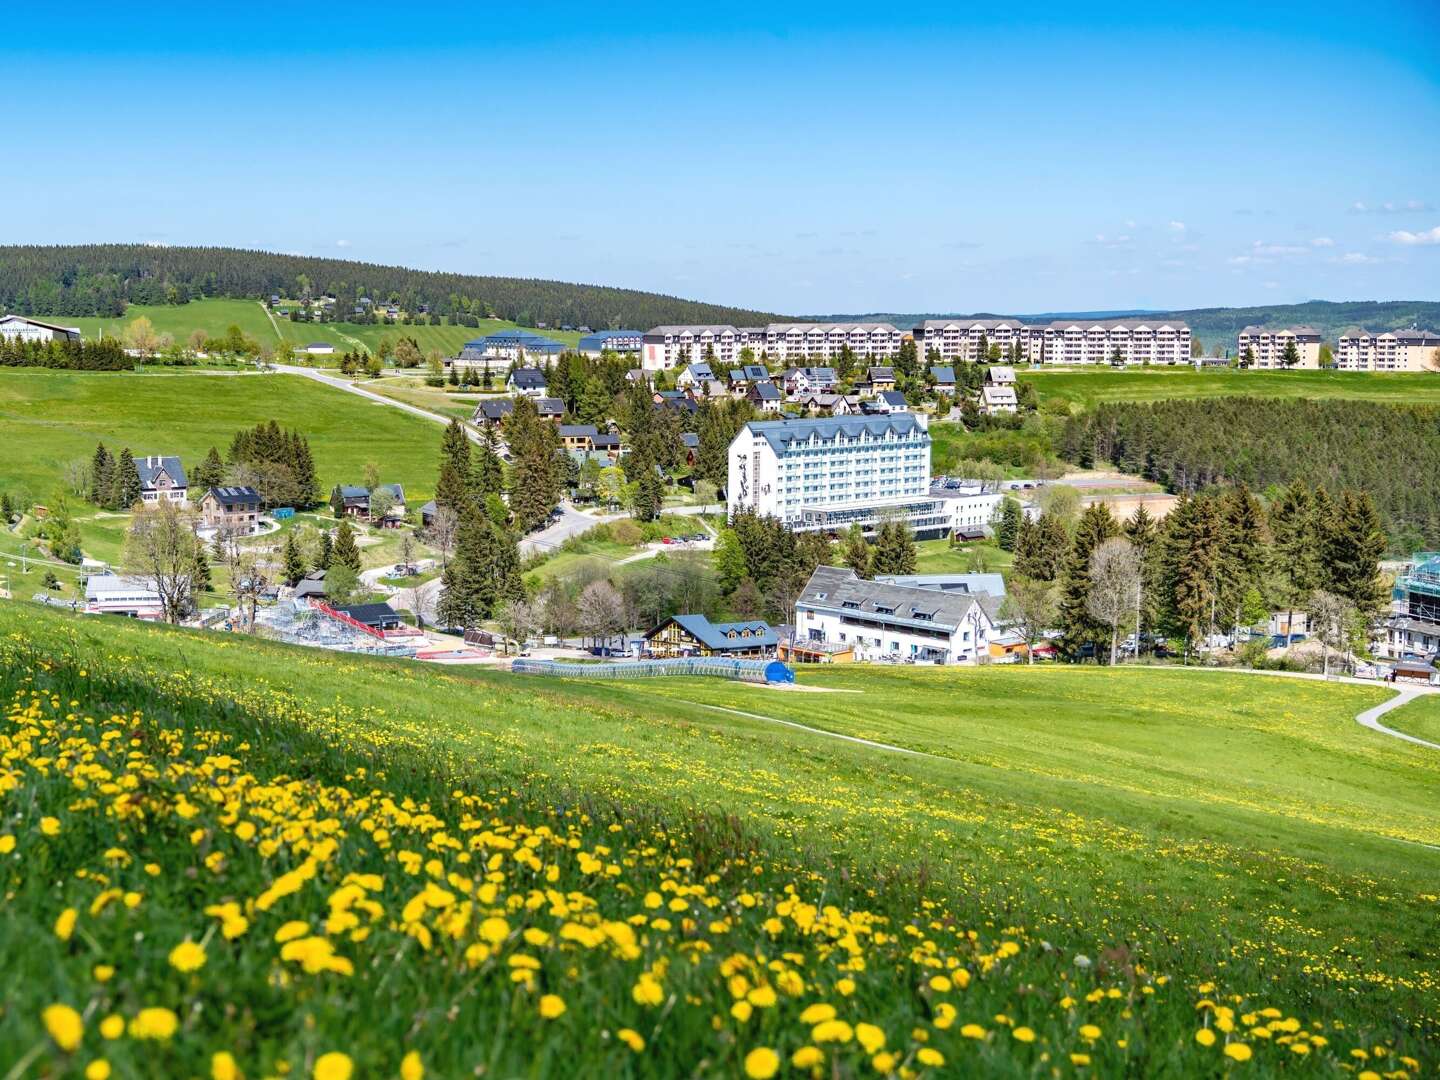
(756, 671)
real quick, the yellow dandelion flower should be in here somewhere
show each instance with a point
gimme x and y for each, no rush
(112, 1027)
(103, 972)
(552, 1006)
(99, 1069)
(1023, 1034)
(762, 1063)
(928, 1055)
(65, 924)
(1237, 1051)
(870, 1037)
(295, 928)
(187, 956)
(883, 1063)
(1205, 1037)
(832, 1031)
(154, 1023)
(411, 1067)
(7, 844)
(333, 1066)
(817, 1013)
(1080, 1059)
(64, 1025)
(940, 984)
(50, 826)
(631, 1038)
(223, 1067)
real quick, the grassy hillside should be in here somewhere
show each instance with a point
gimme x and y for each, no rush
(55, 417)
(215, 316)
(1420, 718)
(1097, 871)
(1088, 388)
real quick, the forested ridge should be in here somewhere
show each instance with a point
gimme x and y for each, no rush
(101, 279)
(1392, 452)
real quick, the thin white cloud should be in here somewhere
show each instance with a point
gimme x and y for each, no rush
(1392, 206)
(1177, 226)
(1322, 242)
(1357, 258)
(1414, 239)
(342, 243)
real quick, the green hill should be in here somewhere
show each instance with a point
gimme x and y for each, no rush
(101, 279)
(308, 860)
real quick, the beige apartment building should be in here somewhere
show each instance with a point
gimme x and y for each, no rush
(824, 341)
(1063, 341)
(1390, 350)
(1267, 347)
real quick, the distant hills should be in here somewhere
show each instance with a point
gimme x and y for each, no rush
(102, 279)
(1219, 325)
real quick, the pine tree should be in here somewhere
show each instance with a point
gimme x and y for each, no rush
(1242, 550)
(1353, 544)
(125, 487)
(487, 473)
(894, 549)
(200, 579)
(327, 552)
(307, 483)
(346, 552)
(210, 472)
(534, 448)
(856, 551)
(1295, 550)
(451, 491)
(102, 480)
(1041, 549)
(455, 448)
(1007, 532)
(1096, 525)
(294, 561)
(1192, 542)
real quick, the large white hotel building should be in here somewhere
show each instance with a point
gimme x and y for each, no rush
(1064, 341)
(824, 475)
(667, 347)
(1391, 350)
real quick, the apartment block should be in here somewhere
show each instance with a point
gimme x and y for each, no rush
(825, 341)
(666, 347)
(823, 475)
(1266, 348)
(1064, 341)
(1389, 350)
(970, 339)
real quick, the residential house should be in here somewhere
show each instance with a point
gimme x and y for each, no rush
(998, 393)
(527, 381)
(550, 408)
(311, 586)
(677, 400)
(691, 442)
(746, 376)
(350, 500)
(162, 479)
(809, 380)
(695, 635)
(578, 436)
(765, 396)
(492, 412)
(880, 379)
(944, 378)
(319, 348)
(607, 442)
(882, 621)
(825, 404)
(888, 401)
(231, 511)
(694, 375)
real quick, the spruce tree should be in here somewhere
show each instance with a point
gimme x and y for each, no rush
(1007, 531)
(534, 448)
(451, 491)
(1295, 547)
(210, 472)
(1242, 550)
(1042, 549)
(1096, 525)
(487, 472)
(102, 467)
(1192, 542)
(125, 487)
(200, 579)
(307, 483)
(1353, 545)
(455, 448)
(327, 552)
(1142, 532)
(856, 551)
(294, 561)
(346, 552)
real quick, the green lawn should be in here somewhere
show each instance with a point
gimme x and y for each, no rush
(1420, 718)
(55, 417)
(1087, 388)
(217, 315)
(1215, 838)
(939, 557)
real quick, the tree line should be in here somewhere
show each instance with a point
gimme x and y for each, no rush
(1390, 451)
(101, 279)
(1221, 560)
(65, 355)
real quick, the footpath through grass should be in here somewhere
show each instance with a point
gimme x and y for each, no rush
(373, 859)
(1420, 718)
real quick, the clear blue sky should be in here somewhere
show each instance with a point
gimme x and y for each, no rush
(800, 158)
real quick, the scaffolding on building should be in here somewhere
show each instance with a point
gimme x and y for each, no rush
(300, 624)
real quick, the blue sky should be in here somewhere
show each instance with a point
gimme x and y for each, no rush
(817, 159)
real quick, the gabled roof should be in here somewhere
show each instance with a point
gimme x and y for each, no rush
(894, 398)
(151, 466)
(882, 374)
(1000, 375)
(528, 378)
(496, 409)
(578, 431)
(235, 496)
(716, 635)
(690, 440)
(942, 374)
(765, 390)
(550, 406)
(837, 589)
(352, 491)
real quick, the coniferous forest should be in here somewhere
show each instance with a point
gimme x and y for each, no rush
(101, 279)
(1391, 452)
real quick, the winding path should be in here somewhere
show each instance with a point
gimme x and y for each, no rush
(1370, 718)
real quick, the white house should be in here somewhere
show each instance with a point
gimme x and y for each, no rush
(111, 594)
(14, 327)
(823, 475)
(161, 478)
(970, 507)
(319, 348)
(884, 621)
(694, 376)
(527, 381)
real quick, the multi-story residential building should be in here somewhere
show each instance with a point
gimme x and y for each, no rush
(1412, 629)
(884, 621)
(161, 478)
(825, 341)
(1064, 341)
(1266, 348)
(18, 327)
(666, 347)
(823, 475)
(1389, 350)
(971, 339)
(623, 342)
(508, 346)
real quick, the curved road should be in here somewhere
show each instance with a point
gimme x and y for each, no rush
(1370, 718)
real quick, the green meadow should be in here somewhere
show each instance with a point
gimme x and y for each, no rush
(1088, 388)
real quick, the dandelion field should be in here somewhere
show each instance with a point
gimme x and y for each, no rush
(221, 857)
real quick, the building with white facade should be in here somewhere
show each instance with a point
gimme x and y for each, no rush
(823, 475)
(13, 327)
(665, 347)
(1389, 350)
(969, 506)
(162, 478)
(1266, 348)
(624, 342)
(825, 341)
(113, 594)
(884, 621)
(1064, 341)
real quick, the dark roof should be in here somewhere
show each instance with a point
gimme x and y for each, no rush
(352, 491)
(605, 441)
(151, 465)
(576, 431)
(833, 588)
(883, 374)
(765, 390)
(942, 373)
(371, 614)
(894, 398)
(235, 496)
(528, 378)
(690, 440)
(781, 433)
(713, 635)
(496, 409)
(550, 406)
